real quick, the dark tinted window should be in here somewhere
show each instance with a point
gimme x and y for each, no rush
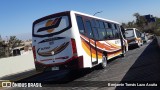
(123, 31)
(106, 25)
(93, 23)
(138, 33)
(80, 24)
(109, 33)
(102, 34)
(89, 29)
(101, 24)
(113, 26)
(95, 32)
(114, 33)
(109, 25)
(117, 34)
(97, 23)
(117, 31)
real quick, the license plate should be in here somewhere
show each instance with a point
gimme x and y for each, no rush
(55, 68)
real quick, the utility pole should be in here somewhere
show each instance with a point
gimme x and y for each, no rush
(97, 13)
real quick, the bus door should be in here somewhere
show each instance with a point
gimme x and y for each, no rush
(92, 42)
(122, 37)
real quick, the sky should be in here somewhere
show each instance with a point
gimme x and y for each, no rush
(17, 16)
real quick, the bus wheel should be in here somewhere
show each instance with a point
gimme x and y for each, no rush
(103, 65)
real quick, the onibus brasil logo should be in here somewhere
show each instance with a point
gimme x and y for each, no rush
(13, 84)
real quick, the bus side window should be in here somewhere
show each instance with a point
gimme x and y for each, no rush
(114, 31)
(102, 34)
(95, 32)
(106, 25)
(89, 29)
(102, 31)
(94, 28)
(80, 24)
(109, 25)
(93, 23)
(101, 23)
(123, 31)
(109, 31)
(97, 23)
(117, 31)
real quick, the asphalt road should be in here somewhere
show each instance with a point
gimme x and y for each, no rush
(139, 65)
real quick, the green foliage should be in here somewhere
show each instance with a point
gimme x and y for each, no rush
(13, 42)
(2, 48)
(157, 32)
(6, 48)
(143, 25)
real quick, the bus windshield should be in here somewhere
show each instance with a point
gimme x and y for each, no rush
(129, 33)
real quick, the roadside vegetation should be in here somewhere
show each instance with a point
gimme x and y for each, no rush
(144, 25)
(6, 47)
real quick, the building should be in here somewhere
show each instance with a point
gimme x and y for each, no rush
(150, 18)
(27, 46)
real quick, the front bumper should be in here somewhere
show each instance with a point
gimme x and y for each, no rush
(133, 43)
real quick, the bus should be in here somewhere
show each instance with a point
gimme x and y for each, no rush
(133, 36)
(74, 40)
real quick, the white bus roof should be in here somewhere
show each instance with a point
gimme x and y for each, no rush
(76, 12)
(93, 16)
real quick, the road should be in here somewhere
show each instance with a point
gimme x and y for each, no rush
(139, 64)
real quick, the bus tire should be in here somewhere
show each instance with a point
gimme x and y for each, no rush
(103, 65)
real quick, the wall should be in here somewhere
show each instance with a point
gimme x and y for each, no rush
(16, 64)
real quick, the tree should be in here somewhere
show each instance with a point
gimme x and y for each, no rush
(141, 21)
(144, 25)
(12, 43)
(137, 15)
(0, 38)
(157, 28)
(2, 48)
(124, 25)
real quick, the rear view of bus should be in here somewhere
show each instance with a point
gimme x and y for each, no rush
(53, 45)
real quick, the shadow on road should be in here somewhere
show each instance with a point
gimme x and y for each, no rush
(61, 76)
(56, 77)
(146, 68)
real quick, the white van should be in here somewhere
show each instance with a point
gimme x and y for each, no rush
(133, 37)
